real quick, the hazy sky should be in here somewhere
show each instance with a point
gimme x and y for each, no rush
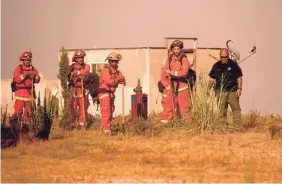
(44, 26)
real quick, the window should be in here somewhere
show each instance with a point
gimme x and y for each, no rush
(97, 68)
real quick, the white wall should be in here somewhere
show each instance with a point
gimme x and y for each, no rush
(6, 93)
(134, 65)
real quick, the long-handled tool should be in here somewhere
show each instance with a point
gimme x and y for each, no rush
(32, 82)
(32, 88)
(83, 100)
(172, 97)
(157, 98)
(123, 118)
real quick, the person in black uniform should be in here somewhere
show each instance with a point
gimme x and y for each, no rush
(227, 76)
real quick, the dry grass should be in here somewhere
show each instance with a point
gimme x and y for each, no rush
(148, 152)
(91, 157)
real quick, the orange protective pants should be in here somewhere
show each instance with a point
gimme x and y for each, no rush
(181, 102)
(107, 109)
(23, 110)
(83, 104)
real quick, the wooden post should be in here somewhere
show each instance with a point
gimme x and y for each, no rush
(166, 42)
(195, 54)
(123, 120)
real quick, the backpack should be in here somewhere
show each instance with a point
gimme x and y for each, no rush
(190, 77)
(13, 83)
(92, 83)
(161, 87)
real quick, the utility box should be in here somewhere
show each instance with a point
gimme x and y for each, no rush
(139, 104)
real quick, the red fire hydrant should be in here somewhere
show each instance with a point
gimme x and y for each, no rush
(139, 104)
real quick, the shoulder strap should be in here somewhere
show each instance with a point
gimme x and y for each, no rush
(83, 65)
(169, 61)
(181, 58)
(21, 68)
(111, 72)
(71, 67)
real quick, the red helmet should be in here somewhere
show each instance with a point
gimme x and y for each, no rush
(79, 53)
(177, 43)
(26, 55)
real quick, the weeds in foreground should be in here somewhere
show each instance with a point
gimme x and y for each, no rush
(207, 116)
(44, 115)
(206, 111)
(252, 119)
(42, 119)
(273, 124)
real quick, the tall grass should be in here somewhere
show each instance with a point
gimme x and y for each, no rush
(206, 114)
(206, 111)
(4, 117)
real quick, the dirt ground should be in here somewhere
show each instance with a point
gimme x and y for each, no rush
(92, 157)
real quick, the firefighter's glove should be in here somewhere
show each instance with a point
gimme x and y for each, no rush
(168, 73)
(29, 74)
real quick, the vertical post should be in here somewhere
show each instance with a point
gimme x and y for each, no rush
(32, 83)
(166, 42)
(195, 53)
(123, 120)
(83, 100)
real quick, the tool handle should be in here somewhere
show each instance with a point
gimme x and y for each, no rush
(123, 118)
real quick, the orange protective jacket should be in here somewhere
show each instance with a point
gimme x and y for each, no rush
(107, 79)
(76, 72)
(177, 69)
(24, 85)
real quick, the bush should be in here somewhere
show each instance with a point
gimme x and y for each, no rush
(93, 122)
(43, 116)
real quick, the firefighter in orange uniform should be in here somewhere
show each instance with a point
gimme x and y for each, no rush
(176, 93)
(110, 78)
(78, 73)
(25, 76)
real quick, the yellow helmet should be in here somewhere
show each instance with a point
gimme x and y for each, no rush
(79, 53)
(114, 56)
